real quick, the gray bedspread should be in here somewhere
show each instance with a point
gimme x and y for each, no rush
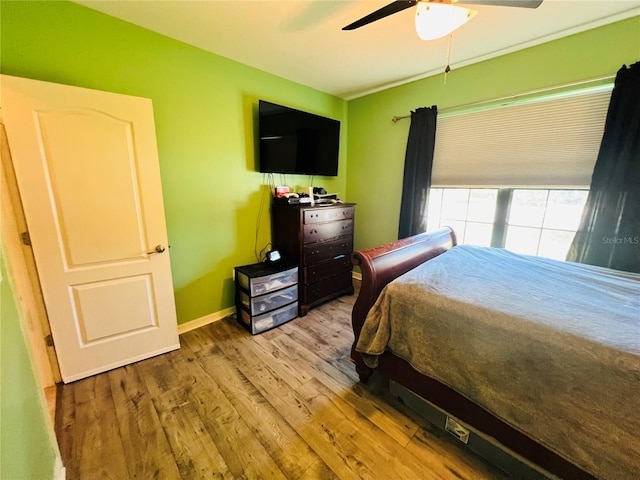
(552, 348)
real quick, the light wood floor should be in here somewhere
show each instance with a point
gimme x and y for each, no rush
(284, 404)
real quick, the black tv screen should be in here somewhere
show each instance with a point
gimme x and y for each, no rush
(296, 142)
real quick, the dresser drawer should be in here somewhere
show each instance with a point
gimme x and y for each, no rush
(265, 280)
(268, 320)
(327, 214)
(322, 232)
(328, 288)
(270, 301)
(325, 270)
(324, 251)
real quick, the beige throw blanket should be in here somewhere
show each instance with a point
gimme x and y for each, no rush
(552, 348)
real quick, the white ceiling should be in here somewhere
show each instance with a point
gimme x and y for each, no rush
(302, 40)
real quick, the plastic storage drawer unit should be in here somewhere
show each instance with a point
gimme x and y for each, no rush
(266, 295)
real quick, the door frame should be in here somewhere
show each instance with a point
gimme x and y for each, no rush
(24, 274)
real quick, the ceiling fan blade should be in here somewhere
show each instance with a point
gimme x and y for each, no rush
(385, 11)
(504, 3)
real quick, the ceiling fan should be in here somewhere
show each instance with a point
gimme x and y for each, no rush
(437, 18)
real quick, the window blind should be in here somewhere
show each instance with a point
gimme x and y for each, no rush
(551, 142)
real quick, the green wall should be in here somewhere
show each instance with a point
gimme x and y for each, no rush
(376, 145)
(23, 423)
(204, 106)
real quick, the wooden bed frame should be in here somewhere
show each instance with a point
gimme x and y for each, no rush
(379, 266)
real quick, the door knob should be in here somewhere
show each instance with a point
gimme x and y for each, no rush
(159, 249)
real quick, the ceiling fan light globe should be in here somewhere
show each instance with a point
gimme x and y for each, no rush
(435, 20)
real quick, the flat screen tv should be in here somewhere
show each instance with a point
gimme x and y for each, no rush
(296, 142)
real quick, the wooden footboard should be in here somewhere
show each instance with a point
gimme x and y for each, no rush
(379, 266)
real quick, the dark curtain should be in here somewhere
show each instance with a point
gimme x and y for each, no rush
(609, 232)
(418, 163)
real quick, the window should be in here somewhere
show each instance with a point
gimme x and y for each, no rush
(544, 222)
(515, 173)
(530, 221)
(469, 211)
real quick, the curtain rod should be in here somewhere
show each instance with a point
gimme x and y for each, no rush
(515, 96)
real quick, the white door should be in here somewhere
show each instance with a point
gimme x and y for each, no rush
(87, 167)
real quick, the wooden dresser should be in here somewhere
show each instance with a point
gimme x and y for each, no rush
(320, 240)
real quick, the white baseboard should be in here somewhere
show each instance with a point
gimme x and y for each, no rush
(206, 320)
(59, 472)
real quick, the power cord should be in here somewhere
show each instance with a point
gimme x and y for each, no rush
(268, 184)
(262, 256)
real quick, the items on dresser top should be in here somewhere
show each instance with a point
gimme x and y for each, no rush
(266, 295)
(316, 195)
(319, 239)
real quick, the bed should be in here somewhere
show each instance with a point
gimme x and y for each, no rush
(541, 356)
